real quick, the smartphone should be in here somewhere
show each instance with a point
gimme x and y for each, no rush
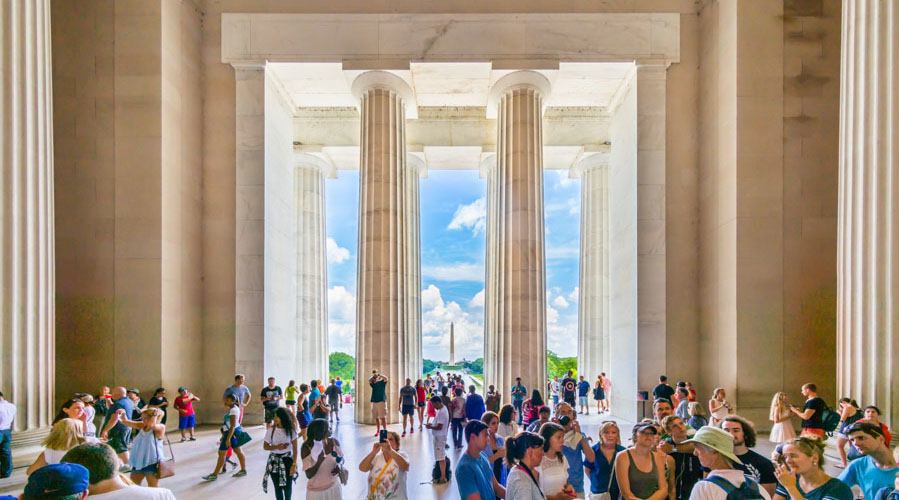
(382, 436)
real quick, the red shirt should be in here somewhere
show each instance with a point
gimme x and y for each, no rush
(422, 395)
(184, 405)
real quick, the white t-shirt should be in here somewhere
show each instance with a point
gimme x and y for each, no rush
(393, 481)
(441, 418)
(137, 493)
(707, 490)
(507, 430)
(235, 410)
(554, 387)
(89, 427)
(553, 474)
(7, 413)
(52, 457)
(279, 436)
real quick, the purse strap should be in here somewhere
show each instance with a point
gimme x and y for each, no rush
(378, 479)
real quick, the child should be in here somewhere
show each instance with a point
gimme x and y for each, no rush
(184, 403)
(291, 394)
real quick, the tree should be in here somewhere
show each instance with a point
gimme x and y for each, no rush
(556, 366)
(428, 366)
(341, 364)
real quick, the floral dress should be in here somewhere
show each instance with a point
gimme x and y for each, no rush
(386, 480)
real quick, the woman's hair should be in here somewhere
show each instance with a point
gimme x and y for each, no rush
(156, 393)
(777, 406)
(694, 409)
(518, 445)
(809, 447)
(505, 414)
(156, 412)
(65, 435)
(606, 426)
(716, 391)
(777, 456)
(418, 383)
(317, 431)
(304, 387)
(547, 431)
(288, 421)
(872, 407)
(65, 406)
(851, 401)
(232, 398)
(396, 437)
(488, 417)
(291, 383)
(536, 398)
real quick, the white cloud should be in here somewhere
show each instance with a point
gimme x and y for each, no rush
(560, 302)
(472, 216)
(341, 304)
(435, 325)
(336, 254)
(554, 252)
(575, 294)
(477, 300)
(342, 337)
(430, 298)
(562, 178)
(341, 320)
(454, 272)
(552, 315)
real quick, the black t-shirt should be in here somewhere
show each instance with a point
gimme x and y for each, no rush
(814, 422)
(268, 392)
(757, 467)
(687, 472)
(407, 392)
(333, 392)
(663, 391)
(378, 391)
(154, 401)
(569, 385)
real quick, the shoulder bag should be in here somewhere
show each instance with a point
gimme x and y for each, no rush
(166, 468)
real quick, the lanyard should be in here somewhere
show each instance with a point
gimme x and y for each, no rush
(531, 475)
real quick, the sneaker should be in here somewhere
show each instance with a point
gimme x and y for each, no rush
(211, 477)
(240, 473)
(192, 439)
(376, 433)
(412, 431)
(404, 433)
(183, 439)
(124, 469)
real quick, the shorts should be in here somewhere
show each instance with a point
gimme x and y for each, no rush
(290, 402)
(119, 440)
(187, 422)
(270, 414)
(334, 403)
(421, 404)
(150, 470)
(582, 400)
(813, 432)
(439, 447)
(304, 418)
(408, 410)
(379, 409)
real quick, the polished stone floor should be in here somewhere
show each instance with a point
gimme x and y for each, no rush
(196, 459)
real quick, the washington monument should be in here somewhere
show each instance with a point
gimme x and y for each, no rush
(452, 360)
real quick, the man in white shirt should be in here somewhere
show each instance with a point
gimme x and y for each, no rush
(439, 427)
(7, 414)
(715, 449)
(102, 464)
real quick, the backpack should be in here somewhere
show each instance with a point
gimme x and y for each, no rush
(435, 473)
(830, 420)
(749, 490)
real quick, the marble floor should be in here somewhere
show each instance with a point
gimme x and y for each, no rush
(196, 459)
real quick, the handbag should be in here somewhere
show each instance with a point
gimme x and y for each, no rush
(607, 495)
(240, 438)
(166, 468)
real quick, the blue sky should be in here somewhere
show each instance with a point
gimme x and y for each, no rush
(453, 206)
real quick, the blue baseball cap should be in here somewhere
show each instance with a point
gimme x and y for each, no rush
(56, 481)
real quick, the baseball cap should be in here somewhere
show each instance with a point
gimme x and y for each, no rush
(57, 481)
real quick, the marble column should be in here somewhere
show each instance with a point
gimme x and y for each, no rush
(593, 304)
(868, 249)
(515, 296)
(385, 279)
(312, 268)
(26, 203)
(417, 169)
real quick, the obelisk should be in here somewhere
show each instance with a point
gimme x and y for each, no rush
(452, 346)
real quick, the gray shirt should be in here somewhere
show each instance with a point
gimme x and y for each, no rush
(683, 410)
(520, 486)
(240, 393)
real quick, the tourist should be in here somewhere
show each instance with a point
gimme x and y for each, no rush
(117, 434)
(812, 412)
(387, 468)
(421, 400)
(64, 435)
(146, 448)
(73, 408)
(782, 430)
(754, 465)
(137, 403)
(304, 416)
(542, 418)
(105, 482)
(599, 394)
(407, 405)
(697, 416)
(872, 416)
(431, 411)
(322, 459)
(339, 384)
(233, 438)
(687, 470)
(683, 404)
(576, 448)
(184, 403)
(663, 390)
(429, 382)
(333, 392)
(378, 400)
(877, 467)
(583, 388)
(270, 395)
(104, 401)
(474, 405)
(602, 477)
(718, 407)
(58, 481)
(495, 449)
(569, 389)
(607, 389)
(90, 412)
(458, 417)
(474, 476)
(677, 395)
(281, 443)
(519, 392)
(803, 475)
(554, 388)
(661, 408)
(849, 414)
(352, 387)
(691, 391)
(159, 401)
(524, 457)
(241, 394)
(532, 407)
(444, 396)
(639, 470)
(440, 382)
(554, 468)
(290, 396)
(439, 427)
(715, 449)
(507, 426)
(888, 493)
(320, 409)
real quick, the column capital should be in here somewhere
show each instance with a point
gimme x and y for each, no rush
(488, 163)
(516, 80)
(313, 162)
(248, 65)
(591, 162)
(387, 81)
(417, 164)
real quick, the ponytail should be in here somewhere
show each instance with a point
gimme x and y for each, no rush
(517, 446)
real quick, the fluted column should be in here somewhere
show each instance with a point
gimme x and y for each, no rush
(312, 269)
(593, 304)
(26, 204)
(384, 280)
(515, 305)
(416, 170)
(868, 249)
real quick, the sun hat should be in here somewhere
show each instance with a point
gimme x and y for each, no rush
(717, 439)
(57, 481)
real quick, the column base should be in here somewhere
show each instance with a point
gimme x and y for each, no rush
(26, 446)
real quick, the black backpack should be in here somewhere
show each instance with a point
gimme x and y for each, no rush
(435, 473)
(749, 490)
(830, 420)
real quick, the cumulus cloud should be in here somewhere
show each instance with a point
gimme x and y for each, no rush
(552, 315)
(341, 304)
(560, 302)
(342, 337)
(477, 300)
(435, 324)
(556, 252)
(575, 294)
(454, 272)
(341, 320)
(472, 216)
(336, 254)
(562, 179)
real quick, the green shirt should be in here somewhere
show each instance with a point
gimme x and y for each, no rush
(378, 391)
